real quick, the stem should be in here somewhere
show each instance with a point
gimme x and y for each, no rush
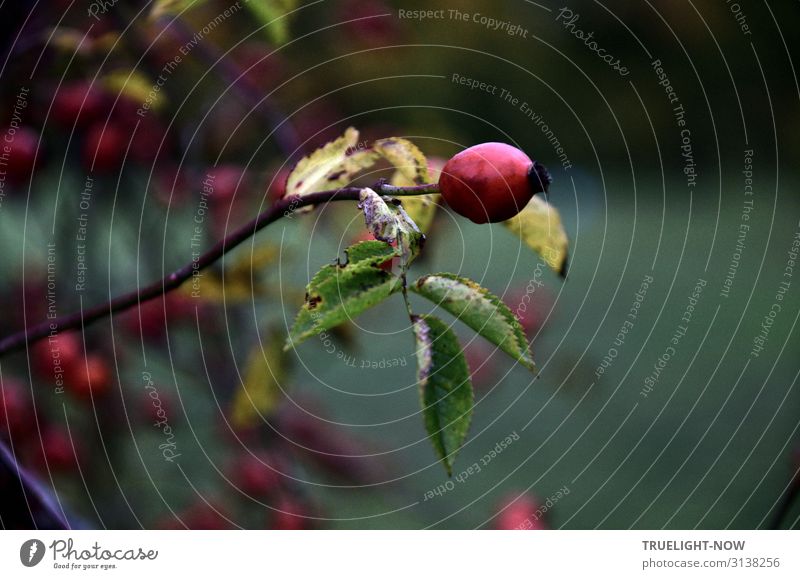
(283, 208)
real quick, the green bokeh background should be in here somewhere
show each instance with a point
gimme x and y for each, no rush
(710, 447)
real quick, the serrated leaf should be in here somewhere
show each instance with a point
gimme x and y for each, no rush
(369, 253)
(444, 386)
(331, 166)
(406, 158)
(481, 310)
(540, 228)
(260, 391)
(272, 15)
(340, 292)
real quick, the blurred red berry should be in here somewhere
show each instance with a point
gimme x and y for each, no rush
(367, 236)
(260, 65)
(228, 183)
(21, 159)
(79, 103)
(206, 517)
(104, 148)
(57, 354)
(276, 187)
(16, 409)
(482, 363)
(329, 447)
(151, 319)
(519, 514)
(89, 378)
(171, 185)
(289, 515)
(57, 452)
(149, 141)
(531, 304)
(256, 475)
(371, 22)
(201, 516)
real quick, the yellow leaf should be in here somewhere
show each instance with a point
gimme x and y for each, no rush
(260, 391)
(540, 228)
(422, 208)
(134, 85)
(331, 166)
(406, 158)
(242, 281)
(164, 7)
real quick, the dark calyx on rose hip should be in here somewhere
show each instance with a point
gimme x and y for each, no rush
(491, 182)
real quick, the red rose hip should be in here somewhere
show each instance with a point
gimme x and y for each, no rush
(491, 182)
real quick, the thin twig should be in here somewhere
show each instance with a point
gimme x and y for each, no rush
(283, 208)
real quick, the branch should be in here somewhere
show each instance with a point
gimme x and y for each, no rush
(283, 208)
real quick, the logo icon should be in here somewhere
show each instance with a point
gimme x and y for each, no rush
(32, 552)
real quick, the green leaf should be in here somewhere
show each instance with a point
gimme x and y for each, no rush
(390, 223)
(272, 14)
(480, 310)
(540, 228)
(340, 292)
(260, 390)
(369, 253)
(331, 166)
(444, 386)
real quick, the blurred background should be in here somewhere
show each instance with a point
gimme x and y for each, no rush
(667, 393)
